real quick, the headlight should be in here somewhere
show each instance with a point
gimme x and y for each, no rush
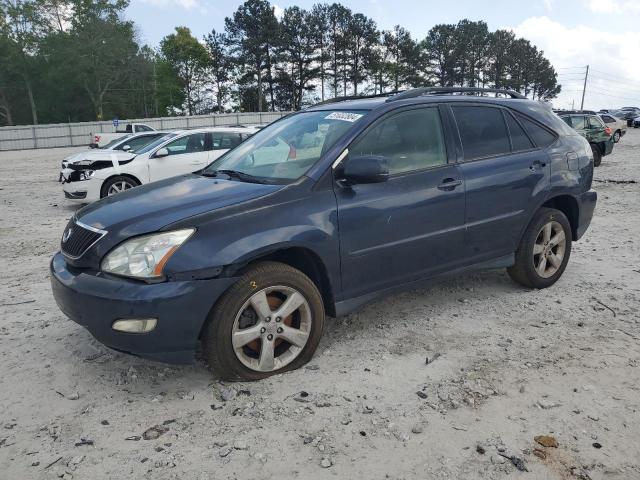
(144, 257)
(86, 174)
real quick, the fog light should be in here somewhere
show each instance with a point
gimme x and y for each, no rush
(140, 325)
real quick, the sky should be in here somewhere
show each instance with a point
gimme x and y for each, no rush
(604, 34)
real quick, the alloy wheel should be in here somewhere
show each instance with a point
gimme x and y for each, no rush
(118, 187)
(549, 249)
(271, 329)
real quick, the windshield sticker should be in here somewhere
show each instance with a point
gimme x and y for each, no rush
(344, 116)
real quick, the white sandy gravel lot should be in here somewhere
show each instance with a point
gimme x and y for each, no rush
(513, 364)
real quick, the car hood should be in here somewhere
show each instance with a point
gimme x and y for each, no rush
(153, 206)
(101, 155)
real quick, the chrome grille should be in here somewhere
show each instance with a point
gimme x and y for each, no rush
(78, 238)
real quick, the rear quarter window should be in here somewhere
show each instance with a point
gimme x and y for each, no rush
(519, 139)
(540, 135)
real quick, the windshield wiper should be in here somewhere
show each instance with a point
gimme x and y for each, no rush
(243, 177)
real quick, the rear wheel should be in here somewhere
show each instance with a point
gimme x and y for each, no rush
(617, 135)
(544, 250)
(117, 184)
(268, 322)
(597, 155)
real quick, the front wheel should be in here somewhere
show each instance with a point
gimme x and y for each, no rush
(544, 250)
(117, 184)
(597, 155)
(268, 322)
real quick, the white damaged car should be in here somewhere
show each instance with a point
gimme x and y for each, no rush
(109, 172)
(126, 143)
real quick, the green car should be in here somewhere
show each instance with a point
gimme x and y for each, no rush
(594, 130)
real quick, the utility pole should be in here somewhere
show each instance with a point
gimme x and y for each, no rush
(584, 89)
(155, 88)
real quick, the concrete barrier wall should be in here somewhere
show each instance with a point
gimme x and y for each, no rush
(78, 134)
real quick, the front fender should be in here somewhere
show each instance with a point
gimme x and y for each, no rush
(232, 241)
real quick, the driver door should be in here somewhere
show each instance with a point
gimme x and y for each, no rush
(186, 154)
(410, 226)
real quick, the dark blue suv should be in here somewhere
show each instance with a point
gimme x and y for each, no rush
(319, 213)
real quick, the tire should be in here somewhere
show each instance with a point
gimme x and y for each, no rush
(524, 270)
(597, 155)
(119, 181)
(242, 362)
(617, 135)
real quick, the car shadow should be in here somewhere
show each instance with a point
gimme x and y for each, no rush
(442, 299)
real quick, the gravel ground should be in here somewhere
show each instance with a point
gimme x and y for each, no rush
(505, 365)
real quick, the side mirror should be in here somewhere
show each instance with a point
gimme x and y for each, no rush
(126, 148)
(366, 169)
(163, 152)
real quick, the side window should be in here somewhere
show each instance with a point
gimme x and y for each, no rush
(578, 122)
(595, 122)
(482, 131)
(226, 141)
(540, 136)
(231, 140)
(608, 119)
(411, 140)
(187, 144)
(143, 128)
(519, 139)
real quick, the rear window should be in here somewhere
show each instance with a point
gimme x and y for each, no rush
(540, 136)
(482, 131)
(519, 139)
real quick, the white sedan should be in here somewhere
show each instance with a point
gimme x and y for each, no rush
(170, 155)
(124, 144)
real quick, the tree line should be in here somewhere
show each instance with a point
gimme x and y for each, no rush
(78, 60)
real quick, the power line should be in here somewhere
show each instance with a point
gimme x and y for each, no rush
(610, 74)
(616, 96)
(608, 80)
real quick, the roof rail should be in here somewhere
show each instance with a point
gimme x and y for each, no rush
(575, 112)
(418, 92)
(354, 97)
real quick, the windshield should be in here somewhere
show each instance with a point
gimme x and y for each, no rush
(159, 141)
(284, 151)
(114, 142)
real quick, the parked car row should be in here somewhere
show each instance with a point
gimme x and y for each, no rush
(601, 135)
(319, 213)
(142, 158)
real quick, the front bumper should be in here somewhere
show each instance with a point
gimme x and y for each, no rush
(95, 301)
(586, 206)
(86, 191)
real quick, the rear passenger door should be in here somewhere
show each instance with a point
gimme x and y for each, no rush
(506, 173)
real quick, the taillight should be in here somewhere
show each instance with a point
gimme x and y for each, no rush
(607, 130)
(96, 138)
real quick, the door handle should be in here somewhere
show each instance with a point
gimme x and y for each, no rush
(449, 184)
(537, 164)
